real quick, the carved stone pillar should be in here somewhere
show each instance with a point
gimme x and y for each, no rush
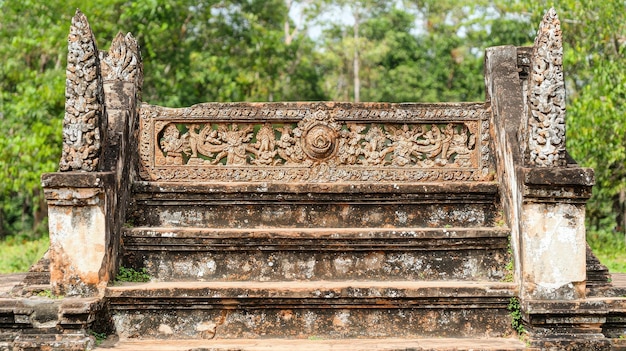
(78, 208)
(83, 124)
(544, 195)
(553, 231)
(87, 199)
(78, 197)
(122, 77)
(555, 192)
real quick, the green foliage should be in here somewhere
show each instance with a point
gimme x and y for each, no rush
(515, 311)
(49, 294)
(509, 276)
(33, 50)
(100, 337)
(17, 254)
(194, 52)
(132, 275)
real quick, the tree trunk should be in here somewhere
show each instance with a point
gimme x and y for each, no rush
(357, 81)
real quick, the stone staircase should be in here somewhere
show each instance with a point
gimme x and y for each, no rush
(317, 225)
(315, 261)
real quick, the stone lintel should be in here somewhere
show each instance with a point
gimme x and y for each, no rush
(487, 188)
(557, 184)
(76, 188)
(559, 176)
(77, 179)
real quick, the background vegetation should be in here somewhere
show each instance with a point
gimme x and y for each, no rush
(272, 50)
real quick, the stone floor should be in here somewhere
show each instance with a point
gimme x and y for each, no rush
(619, 280)
(8, 281)
(438, 344)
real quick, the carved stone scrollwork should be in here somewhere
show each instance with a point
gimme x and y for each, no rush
(314, 148)
(82, 129)
(546, 99)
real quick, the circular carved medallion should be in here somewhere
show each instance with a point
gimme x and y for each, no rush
(319, 141)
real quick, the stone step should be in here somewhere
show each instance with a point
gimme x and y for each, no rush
(317, 309)
(262, 205)
(388, 344)
(318, 254)
(53, 341)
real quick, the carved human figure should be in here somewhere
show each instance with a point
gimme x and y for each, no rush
(194, 140)
(349, 144)
(446, 138)
(173, 145)
(403, 146)
(264, 148)
(374, 149)
(461, 145)
(429, 146)
(235, 145)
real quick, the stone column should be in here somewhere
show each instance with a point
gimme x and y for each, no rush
(80, 225)
(553, 232)
(78, 196)
(543, 192)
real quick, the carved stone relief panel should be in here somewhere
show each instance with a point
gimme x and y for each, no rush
(315, 142)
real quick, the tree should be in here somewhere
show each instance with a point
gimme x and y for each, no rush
(33, 37)
(194, 51)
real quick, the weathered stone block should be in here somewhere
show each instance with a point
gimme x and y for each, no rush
(313, 309)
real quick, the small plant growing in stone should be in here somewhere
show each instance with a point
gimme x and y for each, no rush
(515, 309)
(500, 221)
(100, 337)
(508, 277)
(48, 294)
(132, 275)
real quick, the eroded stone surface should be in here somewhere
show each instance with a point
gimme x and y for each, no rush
(301, 310)
(273, 254)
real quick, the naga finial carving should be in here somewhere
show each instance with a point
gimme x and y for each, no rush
(546, 89)
(123, 59)
(82, 130)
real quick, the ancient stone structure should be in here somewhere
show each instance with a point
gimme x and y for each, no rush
(318, 225)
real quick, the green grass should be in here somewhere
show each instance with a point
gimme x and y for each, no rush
(17, 254)
(610, 248)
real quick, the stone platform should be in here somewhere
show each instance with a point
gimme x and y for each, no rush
(399, 226)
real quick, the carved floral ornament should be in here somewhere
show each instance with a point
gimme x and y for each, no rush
(316, 148)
